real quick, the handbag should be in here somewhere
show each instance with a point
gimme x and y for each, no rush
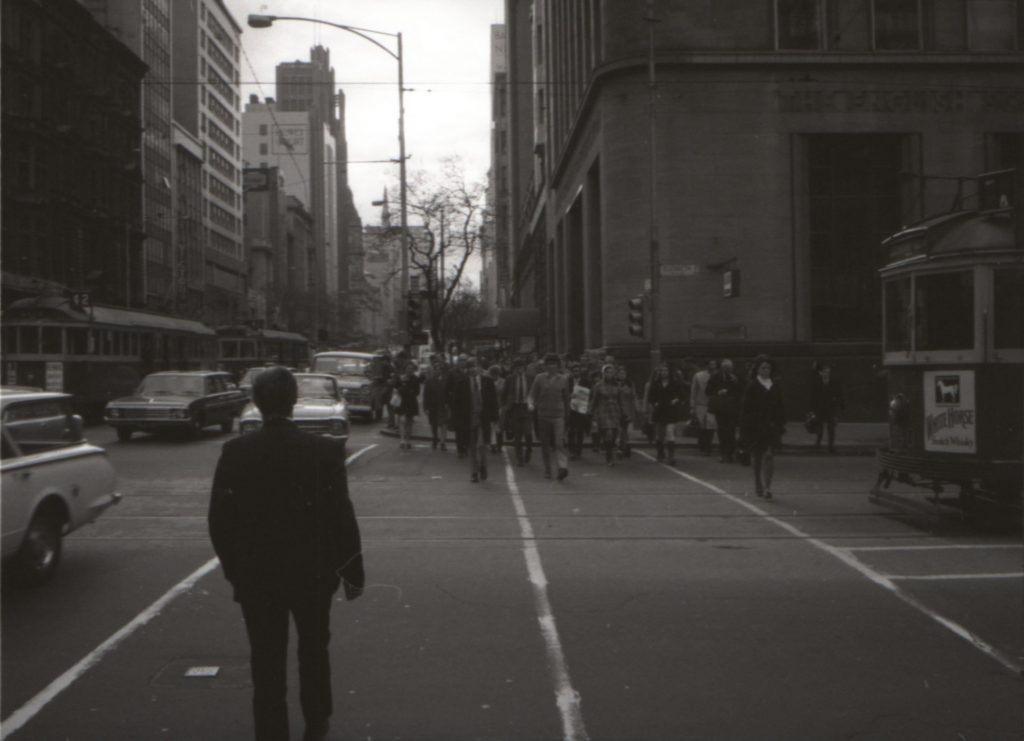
(396, 399)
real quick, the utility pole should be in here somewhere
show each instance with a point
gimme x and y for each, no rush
(655, 248)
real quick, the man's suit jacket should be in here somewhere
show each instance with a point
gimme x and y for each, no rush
(460, 402)
(280, 517)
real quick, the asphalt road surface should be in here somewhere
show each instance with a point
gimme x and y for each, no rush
(632, 602)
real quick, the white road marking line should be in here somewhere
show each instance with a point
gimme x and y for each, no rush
(26, 712)
(850, 560)
(567, 699)
(964, 577)
(30, 709)
(977, 546)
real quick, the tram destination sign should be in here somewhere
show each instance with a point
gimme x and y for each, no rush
(950, 415)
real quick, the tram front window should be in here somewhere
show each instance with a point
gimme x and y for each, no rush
(897, 315)
(945, 311)
(1009, 307)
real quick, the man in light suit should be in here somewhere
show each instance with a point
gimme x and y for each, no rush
(286, 534)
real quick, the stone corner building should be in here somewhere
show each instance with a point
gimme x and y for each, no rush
(776, 142)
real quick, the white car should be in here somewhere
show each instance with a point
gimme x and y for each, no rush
(320, 409)
(54, 481)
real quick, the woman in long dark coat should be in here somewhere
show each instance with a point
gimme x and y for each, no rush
(665, 400)
(762, 422)
(408, 388)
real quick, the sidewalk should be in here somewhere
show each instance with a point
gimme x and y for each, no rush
(852, 438)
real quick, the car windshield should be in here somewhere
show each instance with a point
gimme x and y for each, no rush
(171, 386)
(341, 366)
(316, 388)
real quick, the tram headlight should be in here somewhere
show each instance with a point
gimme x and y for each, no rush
(899, 409)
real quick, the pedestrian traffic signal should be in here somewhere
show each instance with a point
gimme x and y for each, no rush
(413, 314)
(636, 316)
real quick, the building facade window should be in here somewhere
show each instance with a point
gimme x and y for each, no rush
(854, 191)
(992, 25)
(897, 25)
(798, 24)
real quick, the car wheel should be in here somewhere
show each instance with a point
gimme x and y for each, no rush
(40, 552)
(227, 425)
(124, 434)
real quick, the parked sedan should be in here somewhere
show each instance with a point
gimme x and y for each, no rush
(320, 408)
(53, 480)
(177, 400)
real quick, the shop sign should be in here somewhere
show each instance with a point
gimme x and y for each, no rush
(950, 414)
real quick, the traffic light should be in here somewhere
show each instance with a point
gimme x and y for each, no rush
(636, 316)
(413, 314)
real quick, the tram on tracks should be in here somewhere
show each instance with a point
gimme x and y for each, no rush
(953, 345)
(96, 353)
(242, 347)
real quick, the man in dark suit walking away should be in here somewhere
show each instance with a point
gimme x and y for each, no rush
(474, 408)
(286, 534)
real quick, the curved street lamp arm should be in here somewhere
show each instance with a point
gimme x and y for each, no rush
(361, 32)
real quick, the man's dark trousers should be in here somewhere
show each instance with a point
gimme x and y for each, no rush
(266, 620)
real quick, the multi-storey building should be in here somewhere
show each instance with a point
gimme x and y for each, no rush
(309, 87)
(494, 279)
(188, 225)
(671, 148)
(72, 187)
(207, 50)
(145, 27)
(303, 149)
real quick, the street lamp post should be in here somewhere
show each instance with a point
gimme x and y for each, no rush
(265, 21)
(655, 247)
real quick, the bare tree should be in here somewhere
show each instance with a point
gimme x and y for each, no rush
(464, 312)
(451, 213)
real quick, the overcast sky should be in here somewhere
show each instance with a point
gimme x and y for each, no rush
(446, 55)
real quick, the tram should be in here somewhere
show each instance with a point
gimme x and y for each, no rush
(96, 353)
(953, 345)
(242, 347)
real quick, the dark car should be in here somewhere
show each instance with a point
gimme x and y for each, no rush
(177, 400)
(361, 376)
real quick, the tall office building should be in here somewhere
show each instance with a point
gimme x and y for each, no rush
(777, 140)
(309, 87)
(494, 277)
(207, 51)
(72, 195)
(300, 145)
(145, 28)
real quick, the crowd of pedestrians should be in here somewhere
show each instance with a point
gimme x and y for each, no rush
(567, 406)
